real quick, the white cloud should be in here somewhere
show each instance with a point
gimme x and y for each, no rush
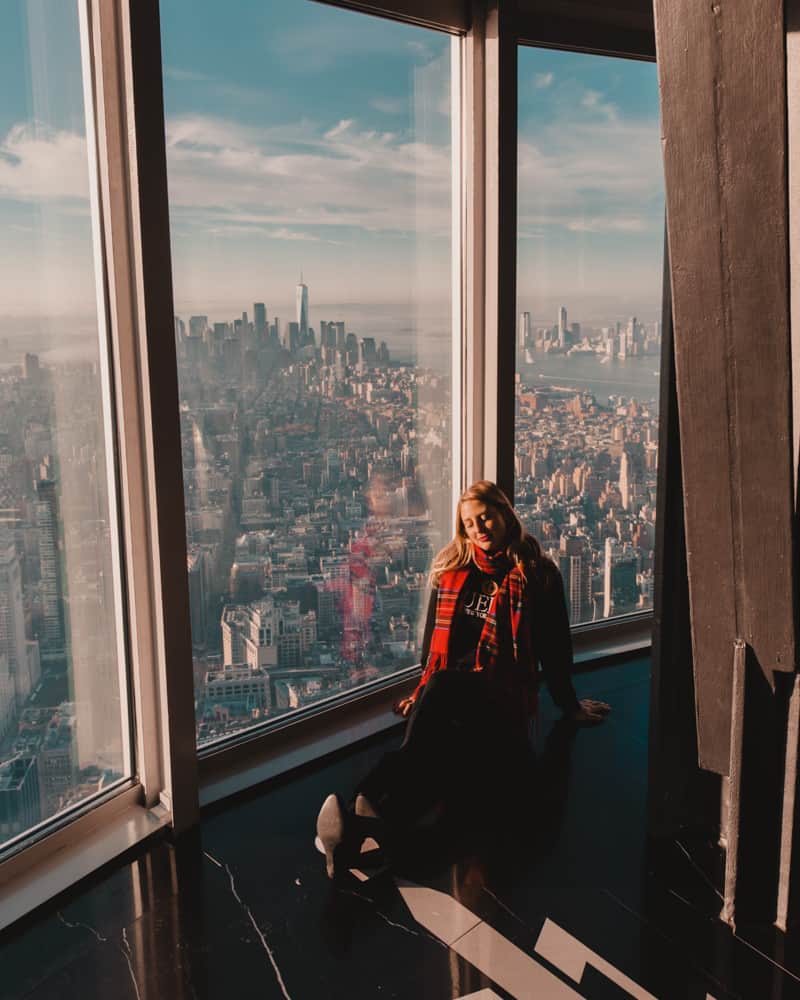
(591, 175)
(390, 105)
(40, 163)
(249, 229)
(420, 47)
(300, 176)
(189, 75)
(343, 126)
(593, 100)
(292, 234)
(542, 81)
(589, 224)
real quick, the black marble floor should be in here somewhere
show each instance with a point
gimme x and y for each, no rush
(570, 905)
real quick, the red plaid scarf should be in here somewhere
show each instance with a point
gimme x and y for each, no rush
(508, 614)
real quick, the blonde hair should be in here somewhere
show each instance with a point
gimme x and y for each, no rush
(520, 547)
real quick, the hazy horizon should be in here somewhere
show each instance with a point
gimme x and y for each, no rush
(594, 311)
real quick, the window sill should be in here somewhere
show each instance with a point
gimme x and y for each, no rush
(596, 642)
(235, 769)
(40, 873)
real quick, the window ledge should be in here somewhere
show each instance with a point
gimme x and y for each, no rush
(597, 642)
(249, 763)
(43, 871)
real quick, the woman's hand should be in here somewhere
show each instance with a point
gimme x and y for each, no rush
(404, 706)
(589, 710)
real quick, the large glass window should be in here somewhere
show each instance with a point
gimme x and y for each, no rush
(590, 243)
(63, 706)
(309, 163)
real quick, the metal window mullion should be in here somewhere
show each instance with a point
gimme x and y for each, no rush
(114, 219)
(473, 245)
(500, 247)
(107, 381)
(141, 46)
(134, 199)
(458, 276)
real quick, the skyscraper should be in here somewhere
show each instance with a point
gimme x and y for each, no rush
(524, 330)
(575, 562)
(292, 338)
(198, 326)
(619, 579)
(562, 326)
(30, 368)
(260, 322)
(19, 796)
(367, 355)
(8, 707)
(631, 476)
(180, 335)
(301, 296)
(12, 620)
(47, 519)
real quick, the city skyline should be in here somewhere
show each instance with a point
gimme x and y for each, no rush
(316, 470)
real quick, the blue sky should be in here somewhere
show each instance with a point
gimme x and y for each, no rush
(46, 263)
(300, 136)
(591, 201)
(321, 143)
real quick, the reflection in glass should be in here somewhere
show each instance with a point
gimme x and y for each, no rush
(63, 709)
(309, 164)
(590, 238)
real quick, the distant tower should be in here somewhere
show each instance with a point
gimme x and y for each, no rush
(30, 368)
(12, 620)
(47, 519)
(562, 326)
(524, 330)
(180, 335)
(625, 477)
(575, 563)
(301, 295)
(620, 590)
(631, 476)
(260, 322)
(608, 565)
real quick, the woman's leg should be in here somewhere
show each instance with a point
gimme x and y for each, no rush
(454, 741)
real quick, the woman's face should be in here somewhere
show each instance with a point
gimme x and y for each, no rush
(484, 525)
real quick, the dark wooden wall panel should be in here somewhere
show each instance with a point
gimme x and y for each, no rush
(722, 79)
(679, 794)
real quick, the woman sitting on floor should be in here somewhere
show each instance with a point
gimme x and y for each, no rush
(497, 610)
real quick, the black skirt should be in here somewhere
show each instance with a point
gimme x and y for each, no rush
(461, 750)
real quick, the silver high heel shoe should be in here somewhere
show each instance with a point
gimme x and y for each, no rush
(343, 836)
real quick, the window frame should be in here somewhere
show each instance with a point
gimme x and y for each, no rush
(553, 24)
(385, 691)
(172, 779)
(117, 41)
